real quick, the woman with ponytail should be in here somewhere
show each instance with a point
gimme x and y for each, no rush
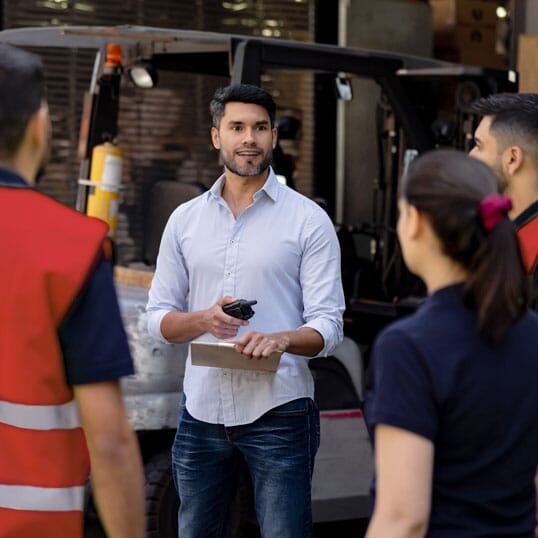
(452, 403)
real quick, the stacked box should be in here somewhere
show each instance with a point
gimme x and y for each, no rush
(527, 63)
(466, 31)
(450, 13)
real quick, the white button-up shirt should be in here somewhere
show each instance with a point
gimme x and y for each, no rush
(283, 252)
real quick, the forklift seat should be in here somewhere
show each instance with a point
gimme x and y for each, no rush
(165, 196)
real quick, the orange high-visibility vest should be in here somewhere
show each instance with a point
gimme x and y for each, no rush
(47, 253)
(528, 240)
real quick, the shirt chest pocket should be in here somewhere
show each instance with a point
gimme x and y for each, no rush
(270, 257)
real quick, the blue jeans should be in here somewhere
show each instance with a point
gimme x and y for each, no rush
(279, 449)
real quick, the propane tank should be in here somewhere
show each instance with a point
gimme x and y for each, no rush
(105, 173)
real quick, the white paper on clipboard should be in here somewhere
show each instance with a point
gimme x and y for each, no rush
(223, 355)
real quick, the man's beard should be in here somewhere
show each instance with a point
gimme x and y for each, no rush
(248, 169)
(502, 179)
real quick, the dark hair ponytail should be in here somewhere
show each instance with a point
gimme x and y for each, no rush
(497, 287)
(448, 187)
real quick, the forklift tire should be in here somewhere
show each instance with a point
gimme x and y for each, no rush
(92, 524)
(162, 502)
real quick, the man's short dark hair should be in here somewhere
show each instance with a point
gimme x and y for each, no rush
(240, 93)
(515, 118)
(22, 92)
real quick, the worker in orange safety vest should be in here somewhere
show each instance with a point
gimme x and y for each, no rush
(63, 347)
(507, 140)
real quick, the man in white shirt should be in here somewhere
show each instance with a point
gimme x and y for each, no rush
(248, 237)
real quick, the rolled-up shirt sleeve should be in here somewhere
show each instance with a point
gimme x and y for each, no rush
(170, 283)
(321, 281)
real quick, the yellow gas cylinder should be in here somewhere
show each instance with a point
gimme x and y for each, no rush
(106, 170)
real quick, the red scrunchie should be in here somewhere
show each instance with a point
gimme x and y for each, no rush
(493, 208)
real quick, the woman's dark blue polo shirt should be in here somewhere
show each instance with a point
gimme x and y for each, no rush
(434, 376)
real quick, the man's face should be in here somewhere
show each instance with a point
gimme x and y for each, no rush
(245, 139)
(487, 150)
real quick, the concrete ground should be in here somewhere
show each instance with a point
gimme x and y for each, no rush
(341, 529)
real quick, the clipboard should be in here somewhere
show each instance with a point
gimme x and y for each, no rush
(223, 355)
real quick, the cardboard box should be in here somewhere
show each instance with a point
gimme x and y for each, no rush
(475, 38)
(449, 13)
(527, 63)
(465, 37)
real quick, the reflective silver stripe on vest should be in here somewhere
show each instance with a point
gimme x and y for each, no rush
(42, 499)
(40, 417)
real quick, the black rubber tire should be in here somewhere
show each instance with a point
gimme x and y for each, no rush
(92, 523)
(162, 502)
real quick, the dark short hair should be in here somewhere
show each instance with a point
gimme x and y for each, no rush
(515, 118)
(448, 187)
(22, 92)
(240, 93)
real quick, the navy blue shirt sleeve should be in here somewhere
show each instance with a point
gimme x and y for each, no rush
(92, 336)
(401, 390)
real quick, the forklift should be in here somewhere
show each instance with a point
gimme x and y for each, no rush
(413, 115)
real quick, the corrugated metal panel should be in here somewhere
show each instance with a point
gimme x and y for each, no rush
(171, 14)
(67, 78)
(278, 18)
(294, 94)
(164, 132)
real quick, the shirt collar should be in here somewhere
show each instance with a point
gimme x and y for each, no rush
(10, 178)
(270, 187)
(527, 215)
